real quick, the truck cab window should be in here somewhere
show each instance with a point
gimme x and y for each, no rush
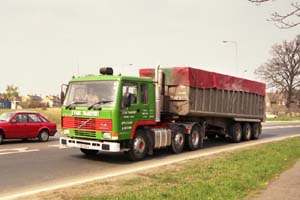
(129, 88)
(144, 90)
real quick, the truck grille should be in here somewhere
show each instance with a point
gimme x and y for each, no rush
(81, 133)
(79, 123)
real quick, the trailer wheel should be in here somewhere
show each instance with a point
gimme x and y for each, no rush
(236, 132)
(138, 147)
(246, 132)
(194, 138)
(178, 140)
(89, 152)
(255, 131)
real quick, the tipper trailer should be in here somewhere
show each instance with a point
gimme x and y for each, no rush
(164, 107)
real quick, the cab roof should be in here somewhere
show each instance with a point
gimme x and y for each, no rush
(111, 78)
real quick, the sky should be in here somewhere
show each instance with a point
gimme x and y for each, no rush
(44, 43)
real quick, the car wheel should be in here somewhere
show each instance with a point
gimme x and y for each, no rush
(139, 146)
(1, 137)
(178, 140)
(43, 136)
(89, 152)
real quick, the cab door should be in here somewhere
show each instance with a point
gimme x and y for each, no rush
(129, 108)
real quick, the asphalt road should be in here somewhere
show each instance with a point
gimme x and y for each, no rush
(31, 164)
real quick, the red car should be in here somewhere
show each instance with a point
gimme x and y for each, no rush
(24, 125)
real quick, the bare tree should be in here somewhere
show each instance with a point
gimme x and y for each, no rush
(282, 71)
(284, 21)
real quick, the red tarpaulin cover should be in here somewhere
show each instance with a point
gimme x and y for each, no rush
(199, 78)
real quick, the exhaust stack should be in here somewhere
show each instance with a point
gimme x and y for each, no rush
(158, 89)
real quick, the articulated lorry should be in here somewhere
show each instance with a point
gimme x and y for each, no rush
(165, 107)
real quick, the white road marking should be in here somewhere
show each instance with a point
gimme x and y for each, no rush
(280, 127)
(16, 150)
(149, 165)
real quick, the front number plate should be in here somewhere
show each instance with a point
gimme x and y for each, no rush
(84, 146)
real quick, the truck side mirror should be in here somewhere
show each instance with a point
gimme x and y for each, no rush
(63, 93)
(62, 97)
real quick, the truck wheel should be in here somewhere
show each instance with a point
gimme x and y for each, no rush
(139, 146)
(89, 152)
(246, 132)
(43, 136)
(1, 137)
(194, 138)
(178, 140)
(255, 131)
(236, 132)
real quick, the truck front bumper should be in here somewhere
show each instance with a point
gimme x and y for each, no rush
(90, 144)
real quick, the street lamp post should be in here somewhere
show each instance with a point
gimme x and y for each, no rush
(236, 54)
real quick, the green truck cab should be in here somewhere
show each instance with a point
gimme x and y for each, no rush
(103, 112)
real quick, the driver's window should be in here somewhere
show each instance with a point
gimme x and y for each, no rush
(129, 88)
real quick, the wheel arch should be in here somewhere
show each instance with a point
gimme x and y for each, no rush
(188, 126)
(140, 125)
(43, 129)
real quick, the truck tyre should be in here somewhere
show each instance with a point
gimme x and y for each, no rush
(236, 132)
(246, 132)
(89, 152)
(178, 140)
(194, 138)
(43, 136)
(255, 131)
(139, 146)
(1, 137)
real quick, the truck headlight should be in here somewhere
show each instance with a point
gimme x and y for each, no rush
(106, 135)
(66, 131)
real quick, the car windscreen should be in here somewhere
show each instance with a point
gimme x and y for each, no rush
(86, 93)
(4, 117)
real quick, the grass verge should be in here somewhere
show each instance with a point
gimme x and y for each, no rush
(235, 175)
(284, 118)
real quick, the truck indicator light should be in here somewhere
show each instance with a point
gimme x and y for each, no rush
(115, 136)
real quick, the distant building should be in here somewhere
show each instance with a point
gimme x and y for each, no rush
(10, 104)
(5, 104)
(51, 101)
(32, 101)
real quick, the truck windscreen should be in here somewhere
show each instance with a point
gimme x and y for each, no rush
(87, 93)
